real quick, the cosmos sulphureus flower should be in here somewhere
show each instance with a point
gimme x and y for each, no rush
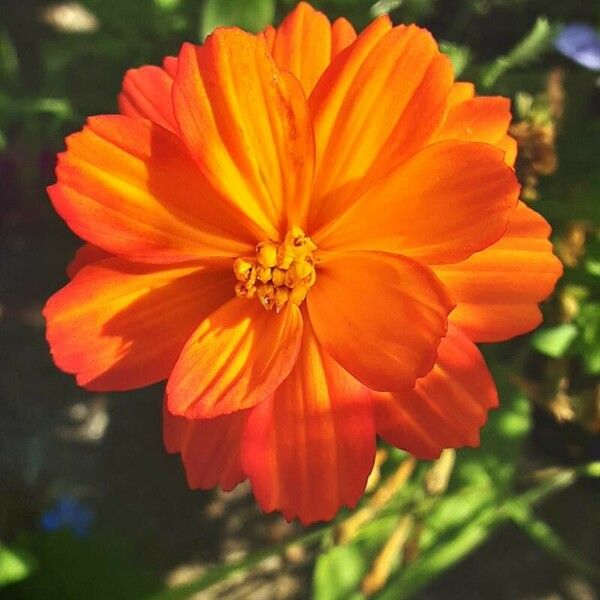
(304, 231)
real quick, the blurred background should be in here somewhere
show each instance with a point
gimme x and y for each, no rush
(91, 507)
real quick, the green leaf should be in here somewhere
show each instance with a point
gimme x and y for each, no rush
(339, 572)
(94, 568)
(555, 341)
(15, 565)
(547, 539)
(528, 49)
(251, 15)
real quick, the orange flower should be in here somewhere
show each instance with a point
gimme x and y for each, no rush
(304, 231)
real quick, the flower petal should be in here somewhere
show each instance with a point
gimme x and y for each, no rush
(130, 187)
(146, 93)
(247, 125)
(448, 406)
(460, 92)
(209, 448)
(497, 290)
(377, 103)
(305, 43)
(121, 325)
(234, 360)
(449, 200)
(380, 316)
(309, 449)
(481, 119)
(86, 255)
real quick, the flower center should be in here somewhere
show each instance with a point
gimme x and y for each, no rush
(278, 272)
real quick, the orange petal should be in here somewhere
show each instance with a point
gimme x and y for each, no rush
(130, 187)
(121, 325)
(380, 316)
(497, 289)
(86, 255)
(377, 103)
(234, 360)
(460, 92)
(146, 93)
(482, 119)
(450, 200)
(209, 448)
(509, 146)
(247, 125)
(448, 406)
(309, 449)
(305, 43)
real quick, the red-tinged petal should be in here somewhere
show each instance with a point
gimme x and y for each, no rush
(447, 202)
(497, 290)
(380, 316)
(247, 125)
(86, 255)
(120, 325)
(309, 449)
(305, 43)
(130, 187)
(146, 93)
(378, 102)
(170, 65)
(234, 360)
(209, 448)
(448, 406)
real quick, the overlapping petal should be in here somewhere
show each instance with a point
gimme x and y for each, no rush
(146, 93)
(448, 201)
(380, 316)
(306, 42)
(209, 448)
(121, 325)
(497, 290)
(247, 124)
(235, 359)
(481, 119)
(84, 256)
(130, 187)
(377, 103)
(447, 407)
(309, 449)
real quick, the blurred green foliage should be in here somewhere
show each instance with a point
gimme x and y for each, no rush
(51, 77)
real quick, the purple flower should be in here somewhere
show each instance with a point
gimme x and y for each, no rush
(580, 43)
(68, 513)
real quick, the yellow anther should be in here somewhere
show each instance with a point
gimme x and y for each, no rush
(281, 297)
(299, 241)
(266, 254)
(279, 273)
(299, 271)
(245, 270)
(244, 290)
(278, 277)
(298, 294)
(285, 257)
(263, 274)
(266, 295)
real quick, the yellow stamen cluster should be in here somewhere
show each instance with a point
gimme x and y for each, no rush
(279, 272)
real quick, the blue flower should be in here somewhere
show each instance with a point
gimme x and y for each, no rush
(580, 43)
(68, 513)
